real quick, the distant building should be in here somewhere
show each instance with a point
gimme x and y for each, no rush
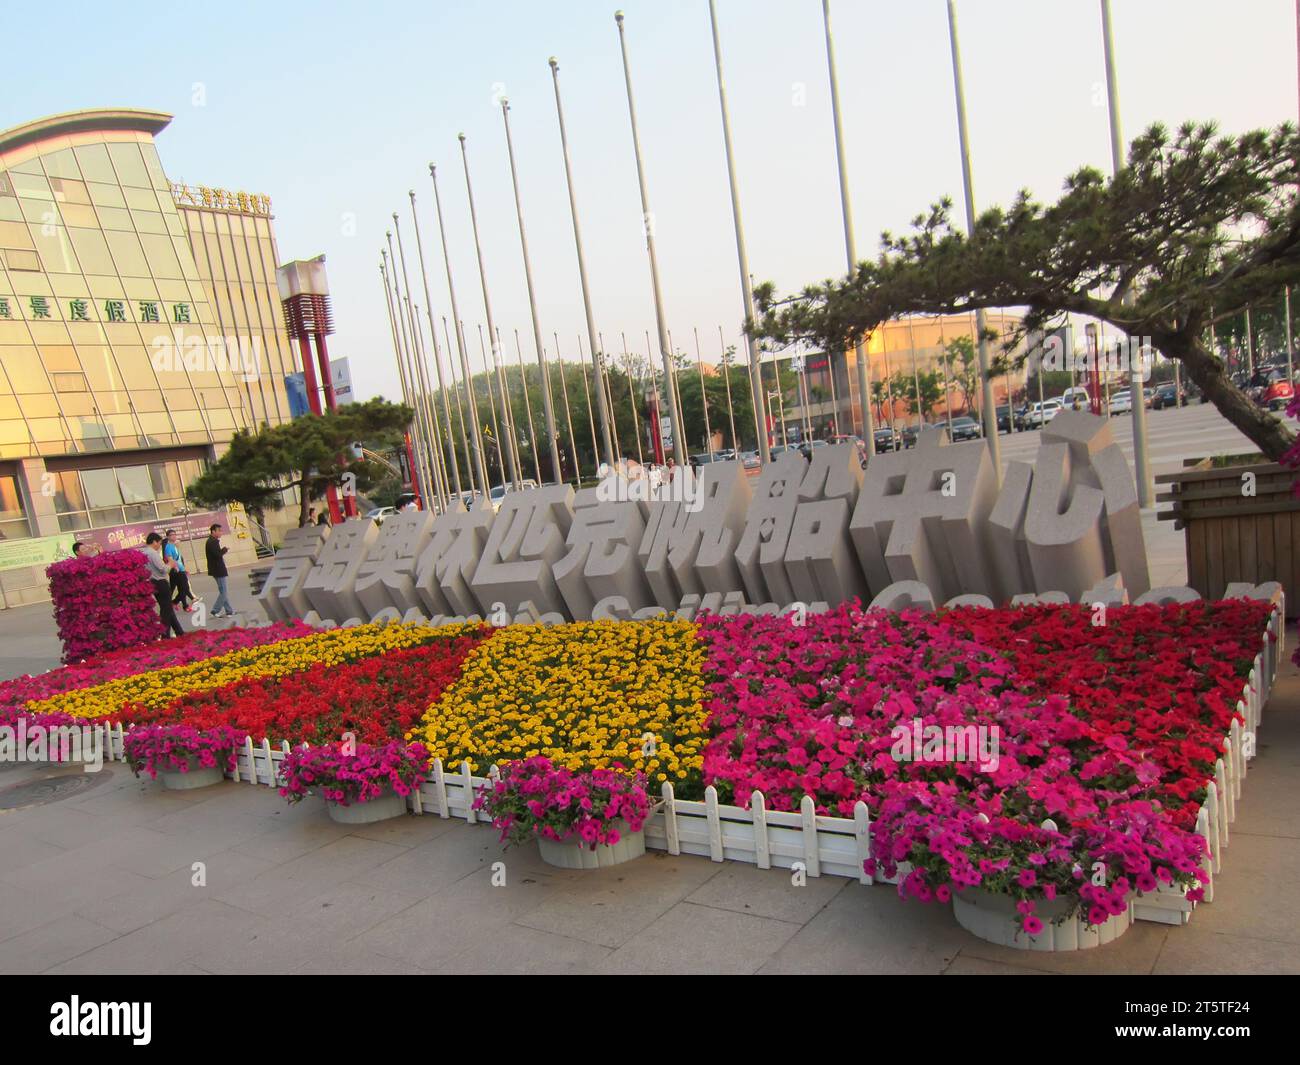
(140, 327)
(832, 379)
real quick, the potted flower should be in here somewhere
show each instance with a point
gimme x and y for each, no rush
(182, 755)
(581, 820)
(360, 783)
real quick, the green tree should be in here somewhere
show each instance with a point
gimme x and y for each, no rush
(310, 453)
(1195, 229)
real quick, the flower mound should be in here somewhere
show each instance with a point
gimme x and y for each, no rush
(537, 798)
(102, 603)
(172, 748)
(345, 776)
(585, 695)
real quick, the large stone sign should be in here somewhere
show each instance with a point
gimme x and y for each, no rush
(919, 527)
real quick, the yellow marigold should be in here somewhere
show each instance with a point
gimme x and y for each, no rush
(584, 695)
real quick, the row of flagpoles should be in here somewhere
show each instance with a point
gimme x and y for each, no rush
(432, 452)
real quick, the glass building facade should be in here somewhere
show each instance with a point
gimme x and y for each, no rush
(140, 324)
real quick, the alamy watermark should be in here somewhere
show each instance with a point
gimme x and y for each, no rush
(67, 744)
(644, 484)
(1114, 354)
(237, 356)
(942, 744)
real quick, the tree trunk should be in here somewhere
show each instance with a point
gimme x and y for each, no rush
(304, 502)
(1264, 429)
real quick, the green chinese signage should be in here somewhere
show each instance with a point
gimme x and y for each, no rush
(38, 551)
(80, 309)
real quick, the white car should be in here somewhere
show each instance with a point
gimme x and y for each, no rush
(1039, 414)
(380, 513)
(1121, 402)
(1076, 398)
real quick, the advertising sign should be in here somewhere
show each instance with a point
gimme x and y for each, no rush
(35, 551)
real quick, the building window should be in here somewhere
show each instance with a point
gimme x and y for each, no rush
(115, 495)
(13, 518)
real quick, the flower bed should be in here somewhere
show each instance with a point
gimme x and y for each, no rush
(584, 695)
(1079, 746)
(152, 691)
(375, 699)
(1107, 737)
(194, 646)
(155, 749)
(347, 775)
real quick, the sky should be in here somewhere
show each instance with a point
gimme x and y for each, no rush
(335, 109)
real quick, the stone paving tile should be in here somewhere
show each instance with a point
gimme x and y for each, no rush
(159, 898)
(165, 945)
(1255, 893)
(767, 892)
(867, 928)
(429, 868)
(48, 944)
(346, 910)
(701, 939)
(1196, 950)
(461, 917)
(964, 965)
(610, 906)
(518, 950)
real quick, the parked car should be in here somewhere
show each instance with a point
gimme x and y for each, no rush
(966, 429)
(887, 438)
(1039, 414)
(1121, 402)
(1273, 390)
(750, 460)
(913, 431)
(1167, 395)
(378, 514)
(1007, 417)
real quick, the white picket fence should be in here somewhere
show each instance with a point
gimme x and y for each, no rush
(826, 846)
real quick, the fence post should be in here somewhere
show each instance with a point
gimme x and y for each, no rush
(715, 827)
(758, 811)
(670, 818)
(862, 833)
(812, 858)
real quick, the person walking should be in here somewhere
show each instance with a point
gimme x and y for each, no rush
(160, 570)
(180, 580)
(216, 555)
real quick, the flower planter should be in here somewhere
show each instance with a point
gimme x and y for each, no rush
(993, 917)
(195, 776)
(573, 854)
(380, 808)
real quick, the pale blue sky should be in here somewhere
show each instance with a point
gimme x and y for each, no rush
(334, 110)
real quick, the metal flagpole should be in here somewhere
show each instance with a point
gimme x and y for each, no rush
(568, 415)
(746, 290)
(425, 436)
(607, 386)
(591, 418)
(492, 406)
(507, 445)
(860, 353)
(401, 373)
(420, 377)
(528, 407)
(1141, 461)
(439, 463)
(677, 395)
(989, 412)
(631, 395)
(726, 376)
(547, 411)
(647, 217)
(704, 395)
(582, 263)
(480, 463)
(437, 353)
(460, 409)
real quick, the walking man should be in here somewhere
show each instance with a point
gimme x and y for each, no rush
(160, 576)
(217, 570)
(184, 598)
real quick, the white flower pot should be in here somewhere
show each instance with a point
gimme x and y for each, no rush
(572, 853)
(196, 776)
(380, 808)
(993, 917)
